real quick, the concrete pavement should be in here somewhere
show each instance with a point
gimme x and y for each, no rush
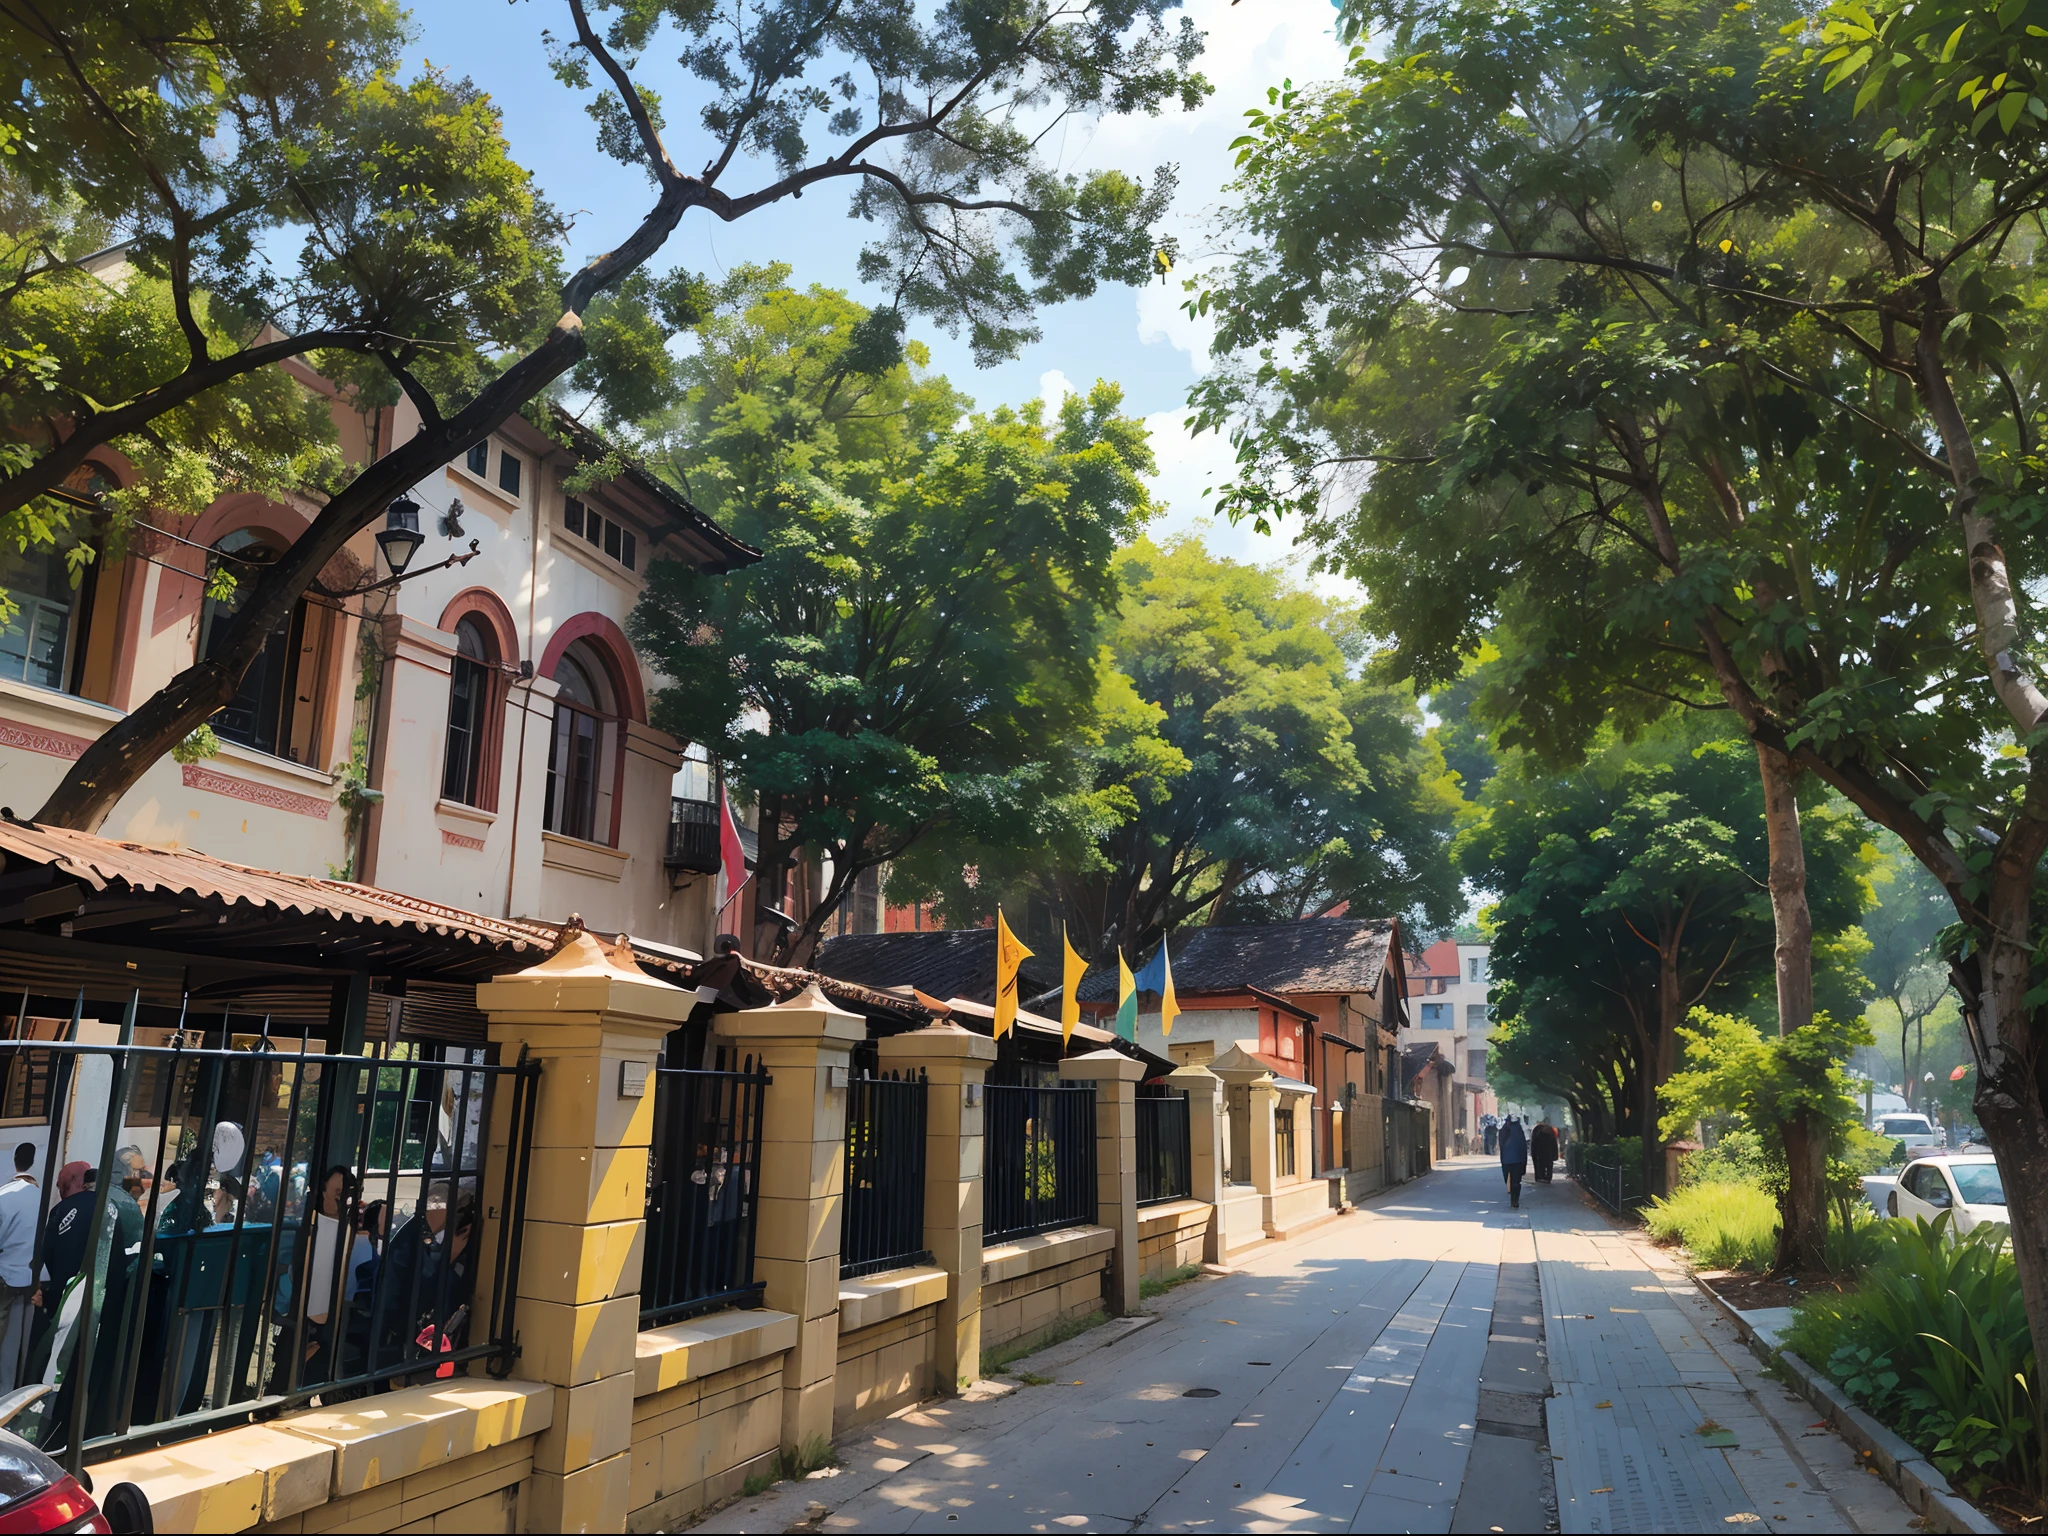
(1435, 1362)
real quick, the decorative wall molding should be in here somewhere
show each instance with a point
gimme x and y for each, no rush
(267, 795)
(34, 738)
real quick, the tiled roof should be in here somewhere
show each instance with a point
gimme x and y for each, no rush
(958, 962)
(1320, 955)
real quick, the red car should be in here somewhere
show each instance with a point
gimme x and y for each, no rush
(39, 1498)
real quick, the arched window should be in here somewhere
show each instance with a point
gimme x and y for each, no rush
(261, 714)
(470, 694)
(583, 753)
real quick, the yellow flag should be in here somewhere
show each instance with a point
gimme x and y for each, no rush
(1070, 995)
(1169, 1010)
(1010, 953)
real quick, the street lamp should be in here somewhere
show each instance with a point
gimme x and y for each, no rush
(401, 538)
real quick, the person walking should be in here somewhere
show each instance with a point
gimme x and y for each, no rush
(1514, 1157)
(21, 1203)
(1487, 1128)
(1543, 1149)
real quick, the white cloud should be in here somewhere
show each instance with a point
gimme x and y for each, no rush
(1189, 465)
(1161, 318)
(1053, 388)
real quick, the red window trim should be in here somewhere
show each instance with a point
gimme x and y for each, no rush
(489, 610)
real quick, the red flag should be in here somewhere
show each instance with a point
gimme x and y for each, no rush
(732, 858)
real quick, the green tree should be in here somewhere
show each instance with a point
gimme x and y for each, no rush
(920, 115)
(1246, 772)
(1902, 926)
(191, 135)
(1633, 890)
(1610, 404)
(923, 625)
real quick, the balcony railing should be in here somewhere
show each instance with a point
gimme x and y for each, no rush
(693, 835)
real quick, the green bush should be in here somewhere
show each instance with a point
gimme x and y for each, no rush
(1724, 1226)
(1935, 1344)
(1736, 1157)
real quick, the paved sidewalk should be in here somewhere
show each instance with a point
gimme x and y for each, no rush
(1384, 1373)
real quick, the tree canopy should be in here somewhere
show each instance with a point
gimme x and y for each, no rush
(922, 628)
(1244, 770)
(922, 115)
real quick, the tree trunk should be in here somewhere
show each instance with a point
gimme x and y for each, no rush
(1802, 1208)
(1660, 1060)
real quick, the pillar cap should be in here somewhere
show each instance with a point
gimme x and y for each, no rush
(1195, 1071)
(587, 974)
(940, 1040)
(809, 1015)
(1103, 1066)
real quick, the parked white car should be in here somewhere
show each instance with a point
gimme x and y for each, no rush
(1916, 1131)
(1968, 1187)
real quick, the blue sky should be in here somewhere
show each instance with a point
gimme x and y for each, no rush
(1139, 339)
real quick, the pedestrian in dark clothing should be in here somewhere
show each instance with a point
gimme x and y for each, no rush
(1543, 1149)
(64, 1235)
(1490, 1133)
(1514, 1158)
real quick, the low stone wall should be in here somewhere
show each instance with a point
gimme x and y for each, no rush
(1171, 1236)
(1030, 1285)
(707, 1412)
(1241, 1220)
(1293, 1208)
(451, 1456)
(888, 1338)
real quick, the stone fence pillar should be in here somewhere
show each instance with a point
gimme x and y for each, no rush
(596, 1023)
(1265, 1148)
(955, 1063)
(804, 1044)
(1115, 1076)
(1207, 1172)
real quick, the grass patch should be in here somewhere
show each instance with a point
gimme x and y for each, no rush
(1148, 1287)
(1723, 1226)
(816, 1452)
(993, 1360)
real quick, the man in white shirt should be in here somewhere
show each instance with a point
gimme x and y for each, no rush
(21, 1210)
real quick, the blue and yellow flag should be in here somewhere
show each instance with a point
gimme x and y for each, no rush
(1169, 1008)
(1010, 953)
(1126, 998)
(1070, 996)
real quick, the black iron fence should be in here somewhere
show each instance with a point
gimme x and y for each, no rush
(1611, 1175)
(1040, 1160)
(881, 1222)
(243, 1224)
(702, 1204)
(1164, 1153)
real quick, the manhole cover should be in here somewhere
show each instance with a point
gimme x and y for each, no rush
(1201, 1392)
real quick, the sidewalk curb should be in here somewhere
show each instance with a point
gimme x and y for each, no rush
(1916, 1480)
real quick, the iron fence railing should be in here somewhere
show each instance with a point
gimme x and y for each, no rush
(1164, 1153)
(1040, 1158)
(179, 1290)
(882, 1220)
(702, 1174)
(1609, 1176)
